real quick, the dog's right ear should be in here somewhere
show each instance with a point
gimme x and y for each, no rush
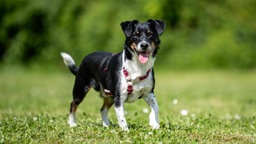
(127, 27)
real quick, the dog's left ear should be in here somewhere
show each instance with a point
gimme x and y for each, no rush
(158, 24)
(128, 26)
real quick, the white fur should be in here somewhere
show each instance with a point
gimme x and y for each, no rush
(72, 120)
(68, 60)
(120, 117)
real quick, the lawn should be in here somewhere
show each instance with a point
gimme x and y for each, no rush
(195, 107)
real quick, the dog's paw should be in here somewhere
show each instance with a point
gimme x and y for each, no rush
(72, 124)
(72, 120)
(106, 124)
(125, 129)
(154, 125)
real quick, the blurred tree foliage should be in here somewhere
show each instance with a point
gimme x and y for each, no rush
(199, 34)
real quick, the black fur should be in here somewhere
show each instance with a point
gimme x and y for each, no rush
(98, 69)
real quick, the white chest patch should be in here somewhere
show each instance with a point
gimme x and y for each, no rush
(140, 89)
(137, 76)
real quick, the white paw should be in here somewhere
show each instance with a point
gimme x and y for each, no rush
(72, 120)
(125, 128)
(106, 124)
(71, 124)
(154, 125)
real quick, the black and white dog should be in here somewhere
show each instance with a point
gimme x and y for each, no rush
(123, 77)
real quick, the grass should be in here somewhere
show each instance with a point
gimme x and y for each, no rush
(220, 104)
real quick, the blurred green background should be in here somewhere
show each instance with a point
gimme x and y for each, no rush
(204, 34)
(211, 44)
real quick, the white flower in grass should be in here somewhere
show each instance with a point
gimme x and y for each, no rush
(145, 110)
(184, 112)
(175, 101)
(238, 117)
(34, 118)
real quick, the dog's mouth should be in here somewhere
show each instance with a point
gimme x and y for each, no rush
(143, 56)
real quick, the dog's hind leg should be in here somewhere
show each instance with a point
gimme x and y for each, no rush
(108, 102)
(81, 88)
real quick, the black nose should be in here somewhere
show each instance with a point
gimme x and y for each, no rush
(144, 46)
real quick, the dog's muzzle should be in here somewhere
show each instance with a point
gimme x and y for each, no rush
(143, 50)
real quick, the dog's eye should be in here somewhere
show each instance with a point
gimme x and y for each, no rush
(148, 33)
(137, 34)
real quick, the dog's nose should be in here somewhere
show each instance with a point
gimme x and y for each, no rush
(144, 46)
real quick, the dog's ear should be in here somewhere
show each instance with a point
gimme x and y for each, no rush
(127, 27)
(158, 25)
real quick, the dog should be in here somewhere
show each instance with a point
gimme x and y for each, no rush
(123, 77)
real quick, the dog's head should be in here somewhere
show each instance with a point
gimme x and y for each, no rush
(142, 39)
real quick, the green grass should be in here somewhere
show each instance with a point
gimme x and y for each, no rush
(221, 108)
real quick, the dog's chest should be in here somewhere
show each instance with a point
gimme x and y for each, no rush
(136, 85)
(140, 90)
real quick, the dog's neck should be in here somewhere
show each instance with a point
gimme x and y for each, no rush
(133, 65)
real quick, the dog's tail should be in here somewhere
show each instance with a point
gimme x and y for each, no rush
(69, 62)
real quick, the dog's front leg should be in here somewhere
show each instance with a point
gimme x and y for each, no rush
(153, 116)
(119, 108)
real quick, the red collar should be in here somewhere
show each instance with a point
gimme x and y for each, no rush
(131, 81)
(128, 78)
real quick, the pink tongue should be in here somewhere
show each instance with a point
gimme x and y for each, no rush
(143, 58)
